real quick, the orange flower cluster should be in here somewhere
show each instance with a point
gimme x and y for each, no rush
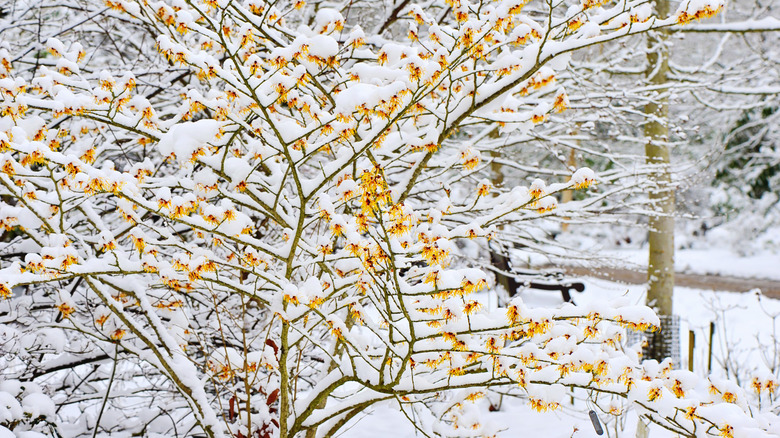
(707, 11)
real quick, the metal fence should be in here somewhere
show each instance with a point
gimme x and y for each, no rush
(661, 343)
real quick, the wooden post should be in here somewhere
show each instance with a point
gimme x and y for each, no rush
(709, 354)
(691, 347)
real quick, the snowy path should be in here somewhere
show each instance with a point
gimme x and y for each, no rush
(769, 287)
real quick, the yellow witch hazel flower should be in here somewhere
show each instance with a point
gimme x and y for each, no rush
(583, 178)
(690, 10)
(5, 291)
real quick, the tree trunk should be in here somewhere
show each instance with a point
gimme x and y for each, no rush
(660, 268)
(660, 264)
(284, 387)
(499, 259)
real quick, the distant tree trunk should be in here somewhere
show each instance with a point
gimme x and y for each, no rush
(500, 260)
(660, 268)
(568, 194)
(503, 271)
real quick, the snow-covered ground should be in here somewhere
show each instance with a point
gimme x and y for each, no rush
(743, 321)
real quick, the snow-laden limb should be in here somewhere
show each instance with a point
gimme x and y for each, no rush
(766, 24)
(263, 237)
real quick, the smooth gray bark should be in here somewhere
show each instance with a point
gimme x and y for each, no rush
(660, 267)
